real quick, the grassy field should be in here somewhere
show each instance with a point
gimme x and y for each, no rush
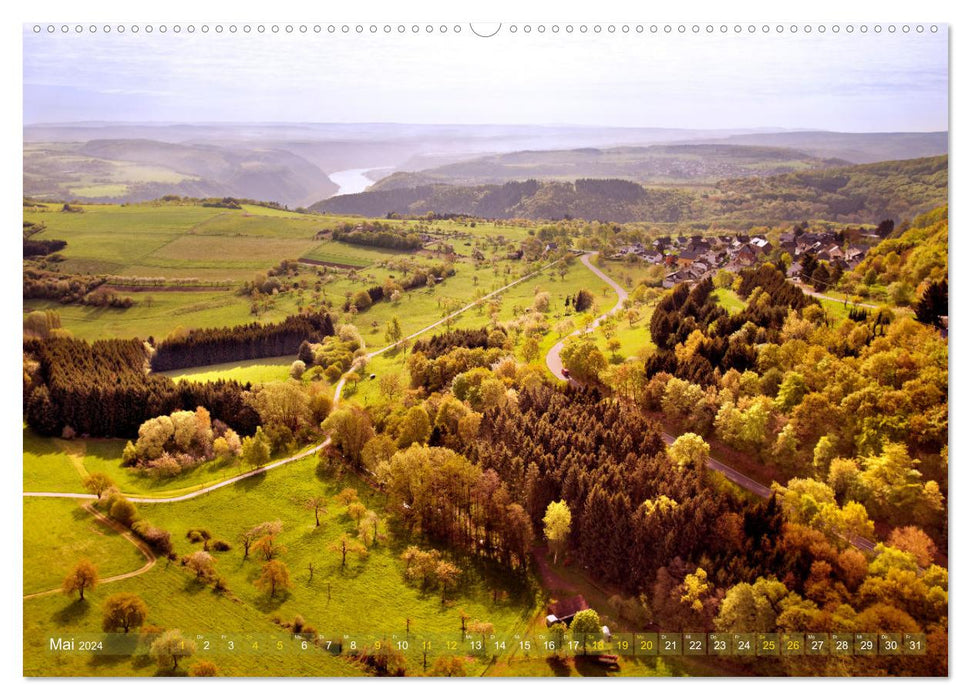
(368, 600)
(729, 300)
(69, 533)
(47, 466)
(174, 601)
(158, 313)
(228, 247)
(51, 464)
(345, 254)
(261, 371)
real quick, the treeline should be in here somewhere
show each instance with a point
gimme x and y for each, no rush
(222, 202)
(104, 389)
(71, 289)
(415, 276)
(442, 343)
(395, 240)
(34, 248)
(851, 194)
(210, 346)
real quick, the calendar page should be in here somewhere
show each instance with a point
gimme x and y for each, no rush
(506, 349)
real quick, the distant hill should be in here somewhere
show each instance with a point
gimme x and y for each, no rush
(897, 189)
(676, 165)
(130, 170)
(855, 148)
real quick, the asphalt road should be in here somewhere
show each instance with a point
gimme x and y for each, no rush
(555, 365)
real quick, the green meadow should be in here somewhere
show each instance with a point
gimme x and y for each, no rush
(729, 300)
(174, 601)
(369, 599)
(261, 371)
(64, 533)
(52, 464)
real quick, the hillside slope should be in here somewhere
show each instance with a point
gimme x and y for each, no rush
(896, 189)
(682, 164)
(131, 170)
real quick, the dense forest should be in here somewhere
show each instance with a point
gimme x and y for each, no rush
(900, 189)
(907, 262)
(442, 343)
(104, 389)
(483, 459)
(210, 346)
(857, 408)
(695, 336)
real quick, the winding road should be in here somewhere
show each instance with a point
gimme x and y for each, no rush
(201, 491)
(555, 365)
(553, 362)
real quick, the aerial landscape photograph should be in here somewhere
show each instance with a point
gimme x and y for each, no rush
(514, 350)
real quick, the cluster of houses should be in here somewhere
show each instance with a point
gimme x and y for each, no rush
(696, 257)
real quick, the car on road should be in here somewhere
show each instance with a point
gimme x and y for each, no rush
(566, 373)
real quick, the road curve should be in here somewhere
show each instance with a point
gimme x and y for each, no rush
(555, 366)
(553, 356)
(310, 450)
(146, 551)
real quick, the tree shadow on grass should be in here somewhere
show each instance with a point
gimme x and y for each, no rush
(558, 665)
(142, 660)
(588, 666)
(179, 672)
(251, 482)
(72, 612)
(195, 585)
(79, 514)
(266, 604)
(117, 651)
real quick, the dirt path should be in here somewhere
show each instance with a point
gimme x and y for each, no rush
(75, 452)
(468, 306)
(150, 557)
(552, 581)
(293, 458)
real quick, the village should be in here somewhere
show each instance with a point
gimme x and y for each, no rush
(692, 258)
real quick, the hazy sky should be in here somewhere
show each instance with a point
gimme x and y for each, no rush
(843, 82)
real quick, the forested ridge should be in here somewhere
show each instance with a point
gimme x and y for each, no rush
(899, 189)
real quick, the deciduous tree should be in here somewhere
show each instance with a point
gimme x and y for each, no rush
(123, 610)
(84, 576)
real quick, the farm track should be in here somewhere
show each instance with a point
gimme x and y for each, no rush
(149, 555)
(555, 365)
(146, 551)
(304, 453)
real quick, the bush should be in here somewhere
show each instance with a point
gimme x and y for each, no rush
(123, 511)
(199, 535)
(220, 546)
(155, 537)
